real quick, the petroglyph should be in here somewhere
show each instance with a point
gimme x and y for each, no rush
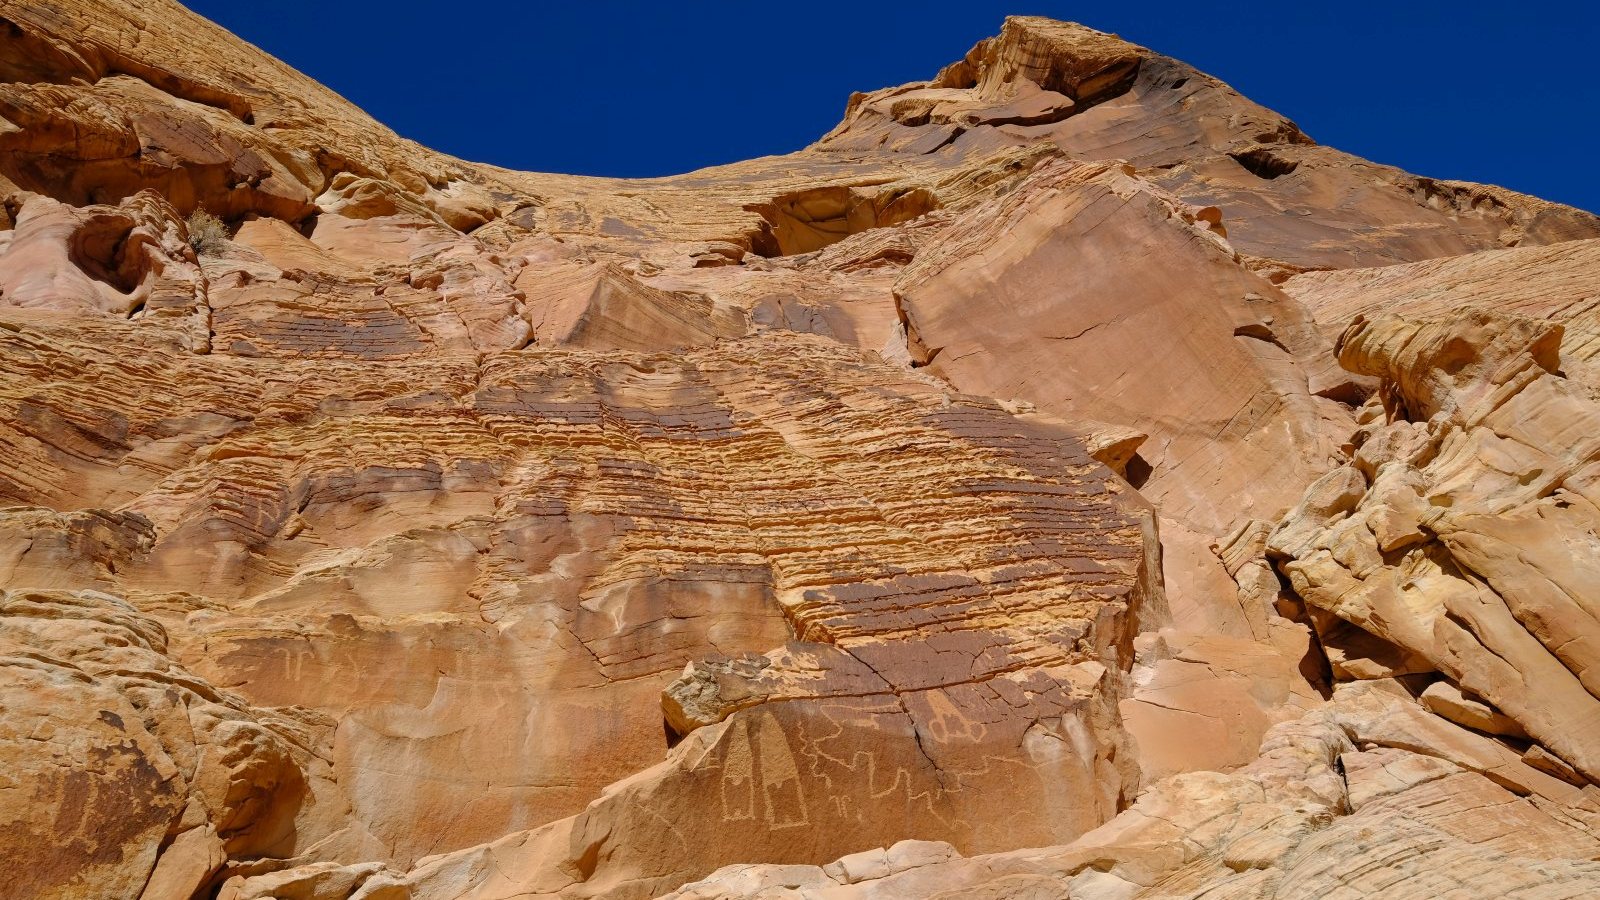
(738, 775)
(780, 777)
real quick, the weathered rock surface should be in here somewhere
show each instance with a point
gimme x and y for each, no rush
(1560, 282)
(127, 775)
(1368, 796)
(846, 523)
(1463, 533)
(1288, 204)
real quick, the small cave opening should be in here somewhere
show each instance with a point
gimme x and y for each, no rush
(100, 248)
(1139, 471)
(1351, 392)
(672, 735)
(1263, 163)
(807, 221)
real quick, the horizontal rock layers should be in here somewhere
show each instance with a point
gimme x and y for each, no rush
(561, 531)
(1063, 478)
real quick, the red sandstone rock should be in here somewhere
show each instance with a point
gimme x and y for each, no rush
(838, 524)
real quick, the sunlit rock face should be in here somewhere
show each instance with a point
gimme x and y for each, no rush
(1065, 478)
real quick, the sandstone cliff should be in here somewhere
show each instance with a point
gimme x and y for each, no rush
(1065, 478)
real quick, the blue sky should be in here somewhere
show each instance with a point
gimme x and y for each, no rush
(1504, 92)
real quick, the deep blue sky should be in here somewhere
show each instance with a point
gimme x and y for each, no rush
(1503, 92)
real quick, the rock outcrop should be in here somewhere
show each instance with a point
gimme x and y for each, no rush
(1368, 797)
(1460, 534)
(127, 775)
(1065, 478)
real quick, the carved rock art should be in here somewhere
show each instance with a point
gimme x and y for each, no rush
(1064, 478)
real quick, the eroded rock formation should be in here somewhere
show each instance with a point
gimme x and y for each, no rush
(1065, 478)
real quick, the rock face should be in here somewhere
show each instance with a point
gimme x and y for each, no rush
(1065, 478)
(1367, 797)
(1460, 534)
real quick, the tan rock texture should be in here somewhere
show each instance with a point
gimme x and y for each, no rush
(1462, 534)
(1065, 478)
(1370, 796)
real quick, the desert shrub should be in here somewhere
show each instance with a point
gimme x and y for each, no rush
(207, 234)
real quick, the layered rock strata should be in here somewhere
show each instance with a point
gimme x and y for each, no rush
(1065, 478)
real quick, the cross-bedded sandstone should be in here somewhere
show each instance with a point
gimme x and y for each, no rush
(857, 516)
